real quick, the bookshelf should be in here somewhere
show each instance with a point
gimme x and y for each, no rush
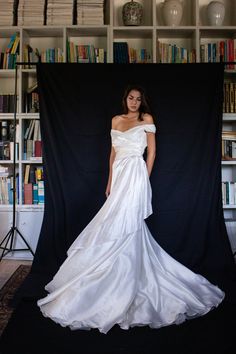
(192, 32)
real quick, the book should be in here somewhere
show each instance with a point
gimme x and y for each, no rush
(11, 42)
(27, 171)
(40, 192)
(35, 193)
(38, 148)
(28, 193)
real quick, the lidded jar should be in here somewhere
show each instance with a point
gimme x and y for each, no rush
(132, 13)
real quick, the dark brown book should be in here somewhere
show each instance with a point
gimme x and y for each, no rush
(28, 193)
(38, 148)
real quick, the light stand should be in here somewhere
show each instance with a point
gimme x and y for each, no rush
(7, 244)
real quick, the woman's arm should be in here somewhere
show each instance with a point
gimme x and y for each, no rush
(151, 145)
(112, 158)
(151, 152)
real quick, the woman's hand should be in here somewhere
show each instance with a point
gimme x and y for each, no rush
(108, 190)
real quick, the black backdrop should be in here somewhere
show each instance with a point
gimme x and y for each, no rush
(77, 102)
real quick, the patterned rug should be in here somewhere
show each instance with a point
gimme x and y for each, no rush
(7, 292)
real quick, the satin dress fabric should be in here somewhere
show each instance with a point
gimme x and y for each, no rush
(115, 272)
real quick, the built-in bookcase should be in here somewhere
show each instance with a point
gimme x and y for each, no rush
(192, 34)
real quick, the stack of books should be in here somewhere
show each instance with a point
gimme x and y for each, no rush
(60, 12)
(229, 145)
(31, 12)
(7, 12)
(90, 12)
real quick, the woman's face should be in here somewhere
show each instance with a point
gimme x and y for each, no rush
(133, 101)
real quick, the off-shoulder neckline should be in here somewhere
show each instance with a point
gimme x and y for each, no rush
(137, 126)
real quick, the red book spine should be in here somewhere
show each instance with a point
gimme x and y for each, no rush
(28, 193)
(38, 148)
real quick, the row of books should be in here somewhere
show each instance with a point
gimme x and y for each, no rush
(6, 189)
(85, 53)
(33, 190)
(223, 50)
(171, 53)
(34, 193)
(229, 104)
(228, 192)
(139, 55)
(49, 55)
(7, 103)
(10, 56)
(124, 54)
(8, 60)
(32, 149)
(6, 186)
(228, 150)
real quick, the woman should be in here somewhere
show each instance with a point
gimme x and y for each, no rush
(115, 272)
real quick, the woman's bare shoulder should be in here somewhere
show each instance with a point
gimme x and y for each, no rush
(115, 120)
(148, 118)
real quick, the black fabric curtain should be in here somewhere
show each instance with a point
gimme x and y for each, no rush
(77, 103)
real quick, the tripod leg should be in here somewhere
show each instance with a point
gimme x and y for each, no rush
(7, 235)
(5, 249)
(24, 240)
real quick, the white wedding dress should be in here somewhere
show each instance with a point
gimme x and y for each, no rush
(115, 272)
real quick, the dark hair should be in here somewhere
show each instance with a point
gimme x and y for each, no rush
(144, 107)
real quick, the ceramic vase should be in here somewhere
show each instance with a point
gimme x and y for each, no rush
(132, 13)
(215, 13)
(172, 12)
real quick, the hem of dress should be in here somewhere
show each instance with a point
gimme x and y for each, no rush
(179, 319)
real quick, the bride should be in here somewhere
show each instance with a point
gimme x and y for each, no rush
(115, 272)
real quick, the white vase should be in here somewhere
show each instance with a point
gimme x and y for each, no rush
(172, 12)
(215, 13)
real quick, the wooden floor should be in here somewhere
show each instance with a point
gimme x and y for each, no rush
(7, 268)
